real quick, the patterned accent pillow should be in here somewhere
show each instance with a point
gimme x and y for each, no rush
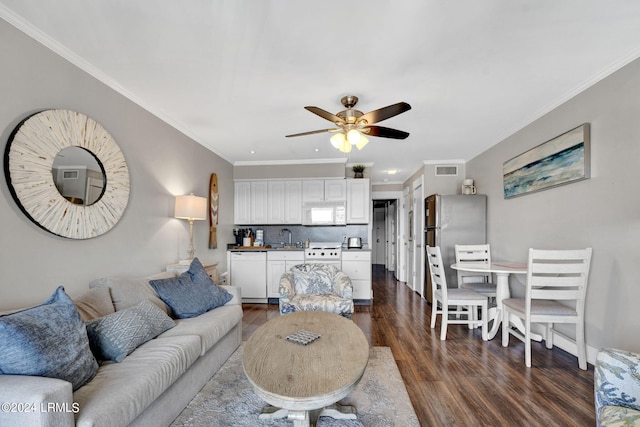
(317, 279)
(192, 293)
(115, 335)
(49, 340)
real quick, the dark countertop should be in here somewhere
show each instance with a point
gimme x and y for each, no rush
(263, 249)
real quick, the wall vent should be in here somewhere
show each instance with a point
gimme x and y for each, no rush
(446, 170)
(70, 174)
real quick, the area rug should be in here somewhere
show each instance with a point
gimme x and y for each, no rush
(229, 400)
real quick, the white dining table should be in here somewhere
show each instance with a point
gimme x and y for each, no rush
(502, 270)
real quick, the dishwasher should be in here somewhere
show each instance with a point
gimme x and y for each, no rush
(249, 273)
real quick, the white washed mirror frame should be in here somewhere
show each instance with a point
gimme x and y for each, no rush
(29, 158)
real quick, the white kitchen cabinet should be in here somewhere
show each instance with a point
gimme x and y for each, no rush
(358, 201)
(259, 202)
(279, 262)
(357, 265)
(242, 202)
(293, 202)
(319, 190)
(285, 202)
(248, 272)
(276, 202)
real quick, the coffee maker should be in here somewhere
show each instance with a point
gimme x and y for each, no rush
(468, 187)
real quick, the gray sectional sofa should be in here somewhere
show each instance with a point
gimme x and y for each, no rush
(150, 386)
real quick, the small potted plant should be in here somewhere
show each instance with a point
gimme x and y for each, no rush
(358, 171)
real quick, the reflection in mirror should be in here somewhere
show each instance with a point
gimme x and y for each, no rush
(78, 175)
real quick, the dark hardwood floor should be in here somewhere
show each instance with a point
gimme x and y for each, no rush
(464, 381)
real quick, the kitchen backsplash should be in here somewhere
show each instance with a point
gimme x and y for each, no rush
(300, 233)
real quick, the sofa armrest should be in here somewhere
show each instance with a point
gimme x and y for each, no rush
(343, 285)
(286, 288)
(617, 379)
(36, 401)
(235, 292)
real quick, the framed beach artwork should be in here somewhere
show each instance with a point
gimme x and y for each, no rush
(561, 160)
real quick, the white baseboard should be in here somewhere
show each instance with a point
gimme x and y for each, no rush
(561, 341)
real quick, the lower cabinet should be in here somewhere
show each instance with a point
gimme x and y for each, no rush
(247, 272)
(357, 265)
(279, 262)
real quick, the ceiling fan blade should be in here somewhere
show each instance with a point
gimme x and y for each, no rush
(325, 114)
(384, 113)
(312, 132)
(384, 132)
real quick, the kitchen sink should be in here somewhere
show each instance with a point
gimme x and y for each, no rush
(287, 247)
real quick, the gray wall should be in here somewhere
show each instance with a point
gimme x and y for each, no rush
(162, 163)
(602, 212)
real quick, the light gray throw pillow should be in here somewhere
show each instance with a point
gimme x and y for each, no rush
(115, 335)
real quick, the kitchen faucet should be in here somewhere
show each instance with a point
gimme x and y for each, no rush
(282, 232)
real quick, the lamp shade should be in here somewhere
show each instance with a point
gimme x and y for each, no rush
(191, 207)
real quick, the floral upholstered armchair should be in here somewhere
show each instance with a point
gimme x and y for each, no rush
(320, 287)
(617, 388)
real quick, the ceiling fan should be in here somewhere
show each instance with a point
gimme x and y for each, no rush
(352, 125)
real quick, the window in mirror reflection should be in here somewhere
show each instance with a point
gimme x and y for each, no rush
(78, 175)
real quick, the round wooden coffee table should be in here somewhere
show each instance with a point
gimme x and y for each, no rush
(304, 382)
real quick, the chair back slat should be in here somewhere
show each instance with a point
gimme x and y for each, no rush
(557, 281)
(555, 294)
(557, 268)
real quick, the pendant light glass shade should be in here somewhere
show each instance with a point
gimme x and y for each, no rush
(337, 140)
(353, 136)
(363, 141)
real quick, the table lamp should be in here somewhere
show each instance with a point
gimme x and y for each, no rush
(192, 208)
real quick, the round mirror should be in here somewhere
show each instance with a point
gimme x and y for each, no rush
(38, 151)
(78, 175)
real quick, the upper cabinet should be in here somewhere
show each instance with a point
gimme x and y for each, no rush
(259, 202)
(358, 201)
(284, 202)
(319, 190)
(242, 202)
(281, 201)
(293, 202)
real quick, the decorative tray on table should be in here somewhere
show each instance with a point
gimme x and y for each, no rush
(303, 337)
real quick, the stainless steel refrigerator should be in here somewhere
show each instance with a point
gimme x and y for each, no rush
(453, 220)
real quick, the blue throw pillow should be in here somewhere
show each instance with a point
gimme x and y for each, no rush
(49, 340)
(192, 293)
(115, 335)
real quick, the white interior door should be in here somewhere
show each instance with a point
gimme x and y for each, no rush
(391, 235)
(379, 236)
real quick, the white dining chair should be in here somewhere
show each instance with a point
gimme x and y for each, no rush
(552, 276)
(445, 297)
(475, 255)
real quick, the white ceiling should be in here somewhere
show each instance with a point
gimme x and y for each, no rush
(235, 74)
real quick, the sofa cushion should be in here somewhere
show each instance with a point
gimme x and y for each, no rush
(127, 292)
(121, 391)
(314, 279)
(114, 336)
(191, 293)
(210, 327)
(94, 303)
(48, 340)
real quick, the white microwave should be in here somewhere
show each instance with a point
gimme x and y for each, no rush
(324, 213)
